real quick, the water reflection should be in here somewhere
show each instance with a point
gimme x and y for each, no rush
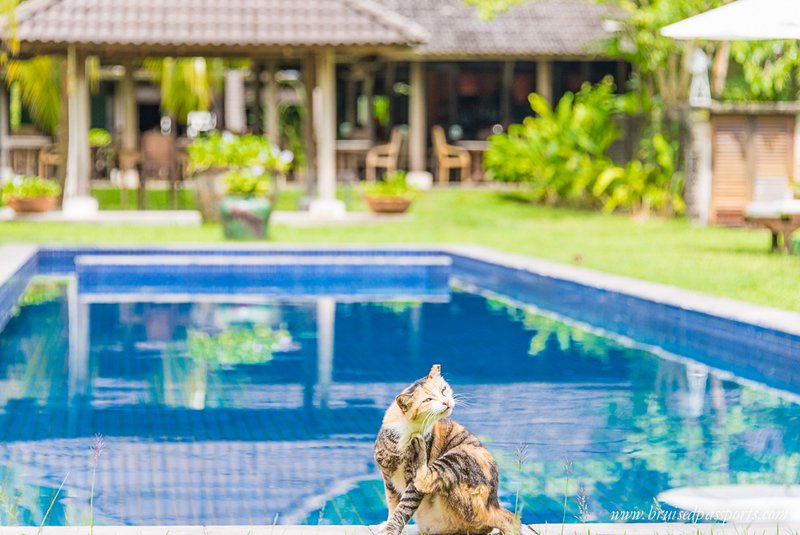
(231, 413)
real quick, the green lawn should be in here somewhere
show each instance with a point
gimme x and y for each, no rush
(158, 199)
(719, 261)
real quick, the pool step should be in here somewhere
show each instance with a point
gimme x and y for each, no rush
(373, 275)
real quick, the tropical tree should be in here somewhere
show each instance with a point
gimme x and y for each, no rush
(187, 84)
(36, 83)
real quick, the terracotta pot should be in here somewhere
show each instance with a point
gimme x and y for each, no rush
(32, 204)
(388, 205)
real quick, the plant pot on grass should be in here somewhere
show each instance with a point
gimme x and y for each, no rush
(213, 156)
(392, 195)
(31, 194)
(246, 207)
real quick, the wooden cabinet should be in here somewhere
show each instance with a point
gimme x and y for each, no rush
(753, 159)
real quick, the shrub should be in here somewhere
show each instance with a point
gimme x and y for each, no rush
(245, 183)
(29, 187)
(561, 155)
(394, 185)
(99, 137)
(227, 150)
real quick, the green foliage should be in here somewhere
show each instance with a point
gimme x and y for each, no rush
(99, 137)
(236, 345)
(187, 84)
(245, 183)
(29, 187)
(768, 70)
(218, 150)
(649, 183)
(487, 9)
(559, 153)
(40, 292)
(37, 82)
(659, 62)
(393, 185)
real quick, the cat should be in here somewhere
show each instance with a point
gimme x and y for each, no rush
(435, 468)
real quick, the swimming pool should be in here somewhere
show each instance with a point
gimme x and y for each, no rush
(201, 425)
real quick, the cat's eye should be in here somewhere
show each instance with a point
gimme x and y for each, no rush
(444, 389)
(427, 400)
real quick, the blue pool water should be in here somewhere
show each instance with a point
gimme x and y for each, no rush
(201, 426)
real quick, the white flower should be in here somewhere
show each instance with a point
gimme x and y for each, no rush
(286, 156)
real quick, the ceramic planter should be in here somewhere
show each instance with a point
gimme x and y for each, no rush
(209, 187)
(388, 204)
(31, 204)
(245, 218)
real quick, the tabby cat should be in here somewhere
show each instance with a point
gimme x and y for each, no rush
(434, 467)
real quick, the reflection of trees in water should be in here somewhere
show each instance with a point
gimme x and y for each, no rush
(755, 441)
(568, 337)
(25, 504)
(33, 345)
(689, 428)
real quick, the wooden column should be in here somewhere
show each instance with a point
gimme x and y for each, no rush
(417, 129)
(130, 116)
(544, 79)
(452, 100)
(309, 143)
(128, 122)
(258, 107)
(326, 204)
(235, 115)
(77, 198)
(507, 79)
(350, 98)
(369, 93)
(271, 115)
(4, 134)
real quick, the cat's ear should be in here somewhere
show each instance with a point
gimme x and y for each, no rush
(436, 371)
(403, 401)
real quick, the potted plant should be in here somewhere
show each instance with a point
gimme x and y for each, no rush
(212, 157)
(392, 195)
(25, 194)
(247, 205)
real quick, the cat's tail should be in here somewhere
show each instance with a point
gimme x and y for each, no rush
(505, 521)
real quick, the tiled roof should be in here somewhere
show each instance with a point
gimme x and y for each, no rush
(533, 27)
(213, 23)
(444, 28)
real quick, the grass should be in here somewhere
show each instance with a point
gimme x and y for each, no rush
(719, 261)
(289, 198)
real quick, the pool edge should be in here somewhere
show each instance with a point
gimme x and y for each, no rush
(789, 528)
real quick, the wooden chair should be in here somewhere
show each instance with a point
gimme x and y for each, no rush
(385, 156)
(160, 161)
(49, 159)
(449, 157)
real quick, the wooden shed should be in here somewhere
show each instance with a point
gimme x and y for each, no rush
(754, 157)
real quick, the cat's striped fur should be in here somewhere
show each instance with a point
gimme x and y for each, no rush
(435, 468)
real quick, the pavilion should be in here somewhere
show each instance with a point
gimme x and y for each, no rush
(458, 71)
(309, 32)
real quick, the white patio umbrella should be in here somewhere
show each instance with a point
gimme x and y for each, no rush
(743, 20)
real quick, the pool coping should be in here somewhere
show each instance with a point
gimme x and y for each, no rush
(539, 529)
(15, 255)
